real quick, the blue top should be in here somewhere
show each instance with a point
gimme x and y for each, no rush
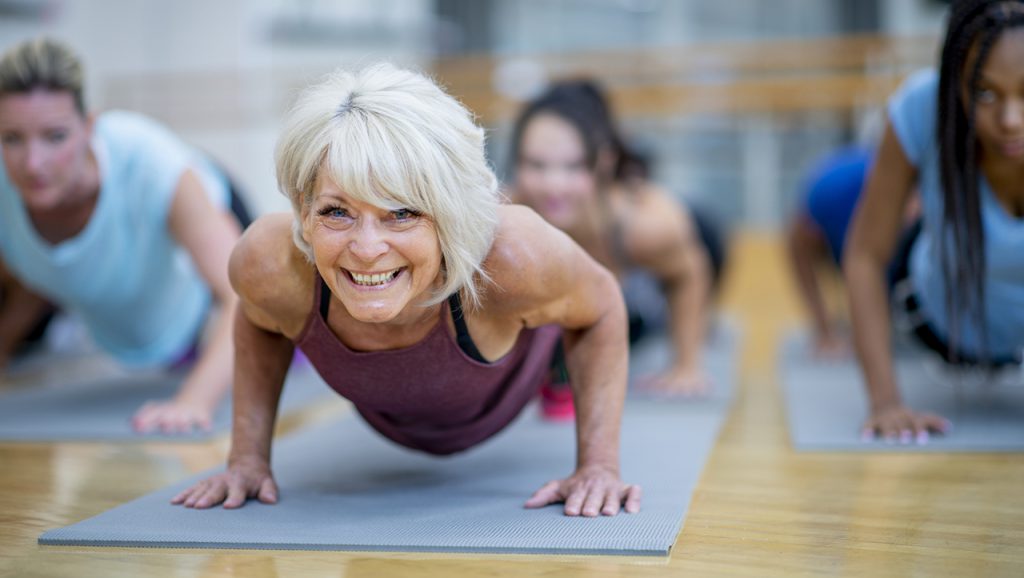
(833, 189)
(136, 290)
(913, 116)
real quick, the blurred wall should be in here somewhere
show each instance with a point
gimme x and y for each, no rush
(222, 72)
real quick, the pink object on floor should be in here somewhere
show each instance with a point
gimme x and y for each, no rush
(556, 402)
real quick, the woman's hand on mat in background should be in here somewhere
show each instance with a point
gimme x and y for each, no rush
(242, 480)
(679, 381)
(173, 416)
(898, 423)
(830, 345)
(591, 491)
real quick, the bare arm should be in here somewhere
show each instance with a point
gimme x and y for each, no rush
(669, 247)
(806, 244)
(20, 311)
(549, 279)
(871, 242)
(208, 234)
(266, 284)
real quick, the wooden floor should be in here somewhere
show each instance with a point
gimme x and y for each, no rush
(760, 510)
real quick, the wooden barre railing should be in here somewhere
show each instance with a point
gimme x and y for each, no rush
(789, 76)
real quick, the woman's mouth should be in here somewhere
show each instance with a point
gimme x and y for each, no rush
(374, 280)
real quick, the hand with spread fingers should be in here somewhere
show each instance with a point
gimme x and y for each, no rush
(173, 416)
(590, 492)
(241, 481)
(899, 424)
(679, 381)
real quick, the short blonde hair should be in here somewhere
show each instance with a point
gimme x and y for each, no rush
(42, 63)
(392, 138)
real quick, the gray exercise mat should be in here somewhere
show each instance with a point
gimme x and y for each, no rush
(826, 403)
(343, 487)
(101, 409)
(655, 354)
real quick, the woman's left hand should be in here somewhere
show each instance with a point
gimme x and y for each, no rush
(591, 491)
(171, 416)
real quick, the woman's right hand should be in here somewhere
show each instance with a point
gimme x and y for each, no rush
(241, 481)
(898, 423)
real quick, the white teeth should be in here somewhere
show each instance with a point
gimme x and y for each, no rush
(374, 279)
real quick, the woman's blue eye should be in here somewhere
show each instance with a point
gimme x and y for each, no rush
(333, 212)
(10, 139)
(56, 137)
(404, 214)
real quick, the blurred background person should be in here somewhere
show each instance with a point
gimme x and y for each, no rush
(572, 165)
(957, 134)
(115, 219)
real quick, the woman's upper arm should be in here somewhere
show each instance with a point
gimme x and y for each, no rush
(270, 277)
(207, 232)
(663, 237)
(878, 220)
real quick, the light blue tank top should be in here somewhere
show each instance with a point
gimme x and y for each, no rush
(912, 114)
(135, 289)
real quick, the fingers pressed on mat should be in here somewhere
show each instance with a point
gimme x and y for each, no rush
(594, 501)
(633, 497)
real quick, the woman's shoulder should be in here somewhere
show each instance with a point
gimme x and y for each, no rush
(525, 249)
(270, 273)
(913, 114)
(655, 220)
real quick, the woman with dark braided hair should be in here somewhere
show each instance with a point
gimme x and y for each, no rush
(959, 137)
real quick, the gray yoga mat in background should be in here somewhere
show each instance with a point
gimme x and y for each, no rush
(343, 487)
(101, 408)
(826, 403)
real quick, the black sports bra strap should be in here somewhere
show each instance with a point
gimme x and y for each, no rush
(325, 298)
(462, 336)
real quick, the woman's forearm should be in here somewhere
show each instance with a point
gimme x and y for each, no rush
(597, 358)
(869, 309)
(802, 257)
(688, 297)
(210, 379)
(262, 359)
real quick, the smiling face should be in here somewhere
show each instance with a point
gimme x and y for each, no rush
(45, 146)
(380, 263)
(999, 100)
(552, 175)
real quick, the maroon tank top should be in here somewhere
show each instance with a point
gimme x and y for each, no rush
(430, 396)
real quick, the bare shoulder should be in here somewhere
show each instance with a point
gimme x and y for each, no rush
(657, 222)
(271, 276)
(526, 251)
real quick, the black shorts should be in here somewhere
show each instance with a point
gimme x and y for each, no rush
(910, 305)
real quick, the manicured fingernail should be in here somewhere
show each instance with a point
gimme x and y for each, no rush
(922, 438)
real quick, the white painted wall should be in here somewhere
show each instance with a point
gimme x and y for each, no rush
(185, 61)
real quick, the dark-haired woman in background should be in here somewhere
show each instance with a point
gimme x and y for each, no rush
(959, 137)
(573, 167)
